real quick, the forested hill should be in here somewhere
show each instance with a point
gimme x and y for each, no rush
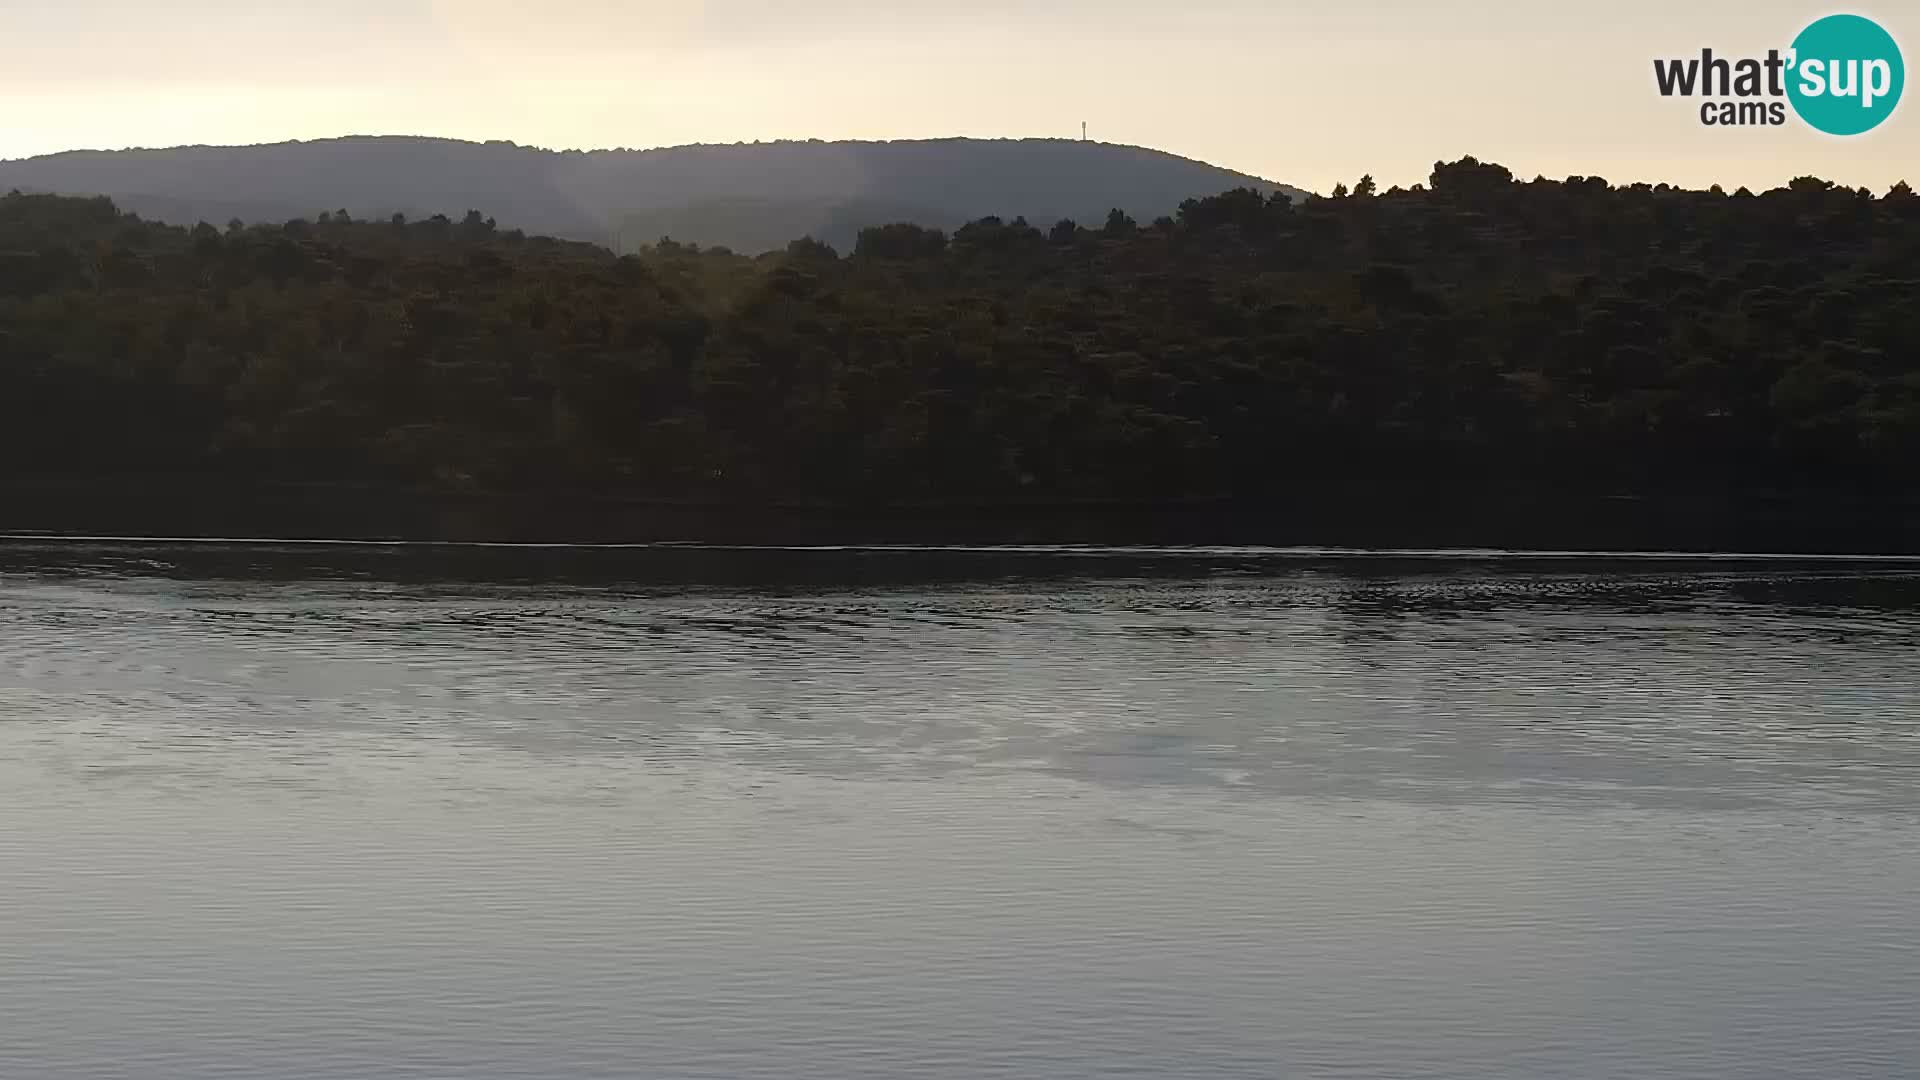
(1470, 336)
(753, 197)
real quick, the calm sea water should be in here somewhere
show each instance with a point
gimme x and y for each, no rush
(282, 813)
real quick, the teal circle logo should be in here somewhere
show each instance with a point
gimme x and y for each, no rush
(1847, 75)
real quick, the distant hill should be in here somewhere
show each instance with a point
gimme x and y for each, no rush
(751, 197)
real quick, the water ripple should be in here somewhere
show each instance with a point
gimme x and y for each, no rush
(284, 817)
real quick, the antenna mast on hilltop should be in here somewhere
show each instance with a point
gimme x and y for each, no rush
(1083, 131)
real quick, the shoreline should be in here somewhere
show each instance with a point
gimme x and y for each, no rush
(1486, 523)
(1089, 551)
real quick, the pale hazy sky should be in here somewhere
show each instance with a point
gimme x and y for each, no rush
(1306, 93)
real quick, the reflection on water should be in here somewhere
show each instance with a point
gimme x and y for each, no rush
(470, 812)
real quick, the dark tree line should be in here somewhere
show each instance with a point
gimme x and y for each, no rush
(1470, 334)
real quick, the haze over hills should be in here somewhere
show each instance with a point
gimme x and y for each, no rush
(749, 196)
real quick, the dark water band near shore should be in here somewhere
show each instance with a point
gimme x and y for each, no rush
(1761, 523)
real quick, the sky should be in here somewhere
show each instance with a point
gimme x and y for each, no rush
(1303, 93)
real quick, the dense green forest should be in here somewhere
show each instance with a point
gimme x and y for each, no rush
(1471, 334)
